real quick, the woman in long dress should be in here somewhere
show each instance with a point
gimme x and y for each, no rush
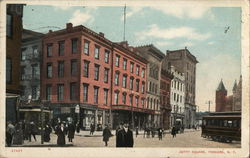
(61, 133)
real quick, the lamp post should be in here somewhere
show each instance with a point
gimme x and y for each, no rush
(42, 123)
(77, 111)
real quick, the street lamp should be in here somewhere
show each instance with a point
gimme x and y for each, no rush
(77, 111)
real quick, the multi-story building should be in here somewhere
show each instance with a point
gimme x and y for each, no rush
(30, 64)
(177, 100)
(76, 70)
(229, 103)
(165, 92)
(81, 67)
(154, 58)
(129, 86)
(13, 48)
(185, 62)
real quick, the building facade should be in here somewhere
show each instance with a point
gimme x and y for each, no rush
(177, 100)
(225, 103)
(30, 65)
(13, 48)
(154, 58)
(165, 93)
(76, 70)
(185, 63)
(128, 87)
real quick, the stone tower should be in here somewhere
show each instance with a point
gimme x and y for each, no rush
(220, 97)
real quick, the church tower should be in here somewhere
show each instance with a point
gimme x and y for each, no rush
(220, 97)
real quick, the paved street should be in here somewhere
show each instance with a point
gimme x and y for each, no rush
(190, 138)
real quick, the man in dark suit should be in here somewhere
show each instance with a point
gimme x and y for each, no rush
(124, 137)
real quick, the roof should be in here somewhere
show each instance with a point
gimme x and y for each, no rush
(151, 48)
(191, 56)
(235, 85)
(221, 87)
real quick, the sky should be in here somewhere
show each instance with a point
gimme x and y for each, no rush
(211, 34)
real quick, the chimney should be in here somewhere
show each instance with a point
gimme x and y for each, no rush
(131, 49)
(124, 44)
(69, 26)
(101, 34)
(50, 31)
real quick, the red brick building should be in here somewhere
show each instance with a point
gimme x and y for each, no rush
(165, 92)
(129, 86)
(80, 68)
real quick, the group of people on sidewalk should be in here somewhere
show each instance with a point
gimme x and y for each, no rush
(23, 130)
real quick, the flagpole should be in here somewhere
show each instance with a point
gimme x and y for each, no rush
(124, 28)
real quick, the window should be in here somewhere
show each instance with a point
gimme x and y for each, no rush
(117, 60)
(23, 54)
(86, 47)
(143, 102)
(96, 94)
(61, 48)
(49, 70)
(131, 67)
(74, 45)
(116, 97)
(143, 88)
(34, 92)
(48, 92)
(35, 71)
(106, 75)
(137, 85)
(124, 96)
(116, 78)
(106, 56)
(131, 100)
(97, 72)
(9, 26)
(73, 67)
(137, 70)
(143, 73)
(174, 96)
(156, 88)
(148, 103)
(35, 52)
(106, 96)
(137, 101)
(85, 92)
(97, 50)
(60, 92)
(60, 68)
(131, 83)
(149, 87)
(124, 64)
(124, 81)
(49, 50)
(73, 91)
(86, 68)
(22, 71)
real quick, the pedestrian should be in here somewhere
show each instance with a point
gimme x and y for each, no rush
(78, 127)
(160, 132)
(118, 128)
(18, 136)
(61, 133)
(47, 132)
(92, 129)
(173, 132)
(10, 131)
(136, 131)
(106, 134)
(33, 130)
(71, 131)
(125, 137)
(148, 133)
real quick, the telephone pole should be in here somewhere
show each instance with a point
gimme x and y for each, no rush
(209, 102)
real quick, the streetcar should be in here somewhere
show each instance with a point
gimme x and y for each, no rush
(222, 126)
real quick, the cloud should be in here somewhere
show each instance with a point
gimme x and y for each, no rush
(209, 73)
(187, 44)
(210, 43)
(163, 43)
(81, 17)
(171, 33)
(130, 11)
(193, 12)
(62, 7)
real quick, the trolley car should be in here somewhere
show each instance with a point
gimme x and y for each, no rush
(222, 126)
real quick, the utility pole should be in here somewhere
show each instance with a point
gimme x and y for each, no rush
(209, 103)
(124, 26)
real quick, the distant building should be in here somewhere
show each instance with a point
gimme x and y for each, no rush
(226, 103)
(185, 63)
(154, 57)
(177, 100)
(14, 28)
